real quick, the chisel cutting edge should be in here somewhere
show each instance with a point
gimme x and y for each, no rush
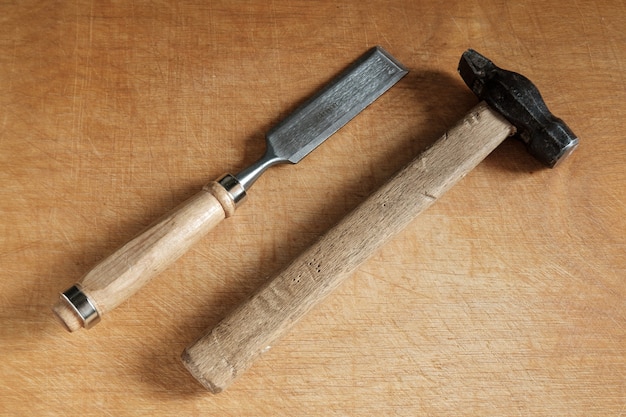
(123, 273)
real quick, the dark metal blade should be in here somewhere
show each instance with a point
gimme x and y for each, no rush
(335, 105)
(327, 111)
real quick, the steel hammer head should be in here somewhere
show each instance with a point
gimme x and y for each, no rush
(517, 99)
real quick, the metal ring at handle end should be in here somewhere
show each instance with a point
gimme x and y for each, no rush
(82, 305)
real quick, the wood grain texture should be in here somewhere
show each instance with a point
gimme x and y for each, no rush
(224, 352)
(120, 275)
(506, 298)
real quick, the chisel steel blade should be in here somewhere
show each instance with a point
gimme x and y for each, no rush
(327, 111)
(334, 106)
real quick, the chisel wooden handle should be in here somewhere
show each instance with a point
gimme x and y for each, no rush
(124, 272)
(224, 352)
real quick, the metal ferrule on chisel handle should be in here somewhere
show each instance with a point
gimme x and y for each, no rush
(233, 187)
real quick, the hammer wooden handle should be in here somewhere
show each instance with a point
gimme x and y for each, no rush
(223, 353)
(133, 265)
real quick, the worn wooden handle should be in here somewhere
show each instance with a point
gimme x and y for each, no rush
(224, 352)
(133, 265)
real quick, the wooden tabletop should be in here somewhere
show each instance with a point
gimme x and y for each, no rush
(507, 297)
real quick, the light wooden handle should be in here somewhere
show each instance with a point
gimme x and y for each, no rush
(224, 352)
(133, 265)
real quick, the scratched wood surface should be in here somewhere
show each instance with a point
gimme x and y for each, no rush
(507, 297)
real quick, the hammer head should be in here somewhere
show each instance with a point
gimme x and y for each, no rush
(515, 97)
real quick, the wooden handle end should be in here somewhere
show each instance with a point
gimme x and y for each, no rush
(67, 316)
(212, 379)
(224, 352)
(123, 273)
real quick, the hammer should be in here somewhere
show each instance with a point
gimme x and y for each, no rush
(510, 105)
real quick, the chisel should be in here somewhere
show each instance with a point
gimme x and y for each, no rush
(120, 275)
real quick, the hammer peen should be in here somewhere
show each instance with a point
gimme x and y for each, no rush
(511, 104)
